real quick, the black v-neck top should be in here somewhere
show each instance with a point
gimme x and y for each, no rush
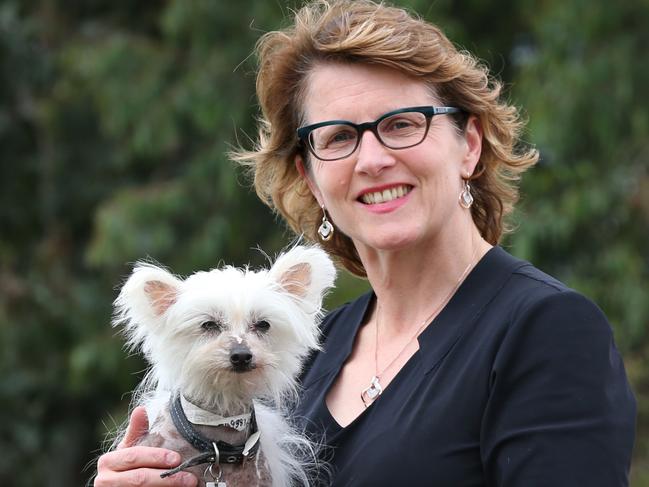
(517, 383)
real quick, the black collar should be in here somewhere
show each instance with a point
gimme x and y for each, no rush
(469, 302)
(482, 284)
(227, 453)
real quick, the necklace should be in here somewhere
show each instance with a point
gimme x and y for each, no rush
(374, 390)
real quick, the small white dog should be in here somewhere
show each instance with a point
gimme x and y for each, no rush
(225, 347)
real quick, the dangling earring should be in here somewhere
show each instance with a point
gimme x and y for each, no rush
(326, 229)
(466, 198)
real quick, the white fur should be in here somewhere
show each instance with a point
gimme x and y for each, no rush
(162, 315)
(281, 445)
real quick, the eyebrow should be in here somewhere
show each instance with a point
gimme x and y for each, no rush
(383, 112)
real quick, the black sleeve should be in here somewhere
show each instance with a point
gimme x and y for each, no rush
(560, 410)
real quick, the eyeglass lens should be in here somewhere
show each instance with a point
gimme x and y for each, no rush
(396, 132)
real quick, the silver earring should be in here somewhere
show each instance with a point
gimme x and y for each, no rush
(466, 198)
(326, 229)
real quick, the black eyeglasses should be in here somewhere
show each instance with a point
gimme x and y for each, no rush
(398, 129)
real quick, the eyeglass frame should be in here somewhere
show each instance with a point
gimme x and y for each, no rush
(428, 111)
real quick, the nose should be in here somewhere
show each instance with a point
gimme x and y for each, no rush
(240, 357)
(372, 156)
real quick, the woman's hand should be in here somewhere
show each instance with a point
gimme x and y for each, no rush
(130, 465)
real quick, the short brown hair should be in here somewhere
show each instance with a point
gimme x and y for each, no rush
(361, 31)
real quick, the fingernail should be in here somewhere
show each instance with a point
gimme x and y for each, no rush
(172, 458)
(189, 480)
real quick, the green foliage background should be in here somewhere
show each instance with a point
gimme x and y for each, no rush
(114, 121)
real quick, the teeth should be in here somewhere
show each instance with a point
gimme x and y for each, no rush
(385, 195)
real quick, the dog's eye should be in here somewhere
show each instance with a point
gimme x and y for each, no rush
(262, 326)
(211, 326)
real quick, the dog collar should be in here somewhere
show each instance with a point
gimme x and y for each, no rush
(214, 451)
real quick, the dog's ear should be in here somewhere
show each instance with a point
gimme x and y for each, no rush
(145, 297)
(305, 273)
(161, 295)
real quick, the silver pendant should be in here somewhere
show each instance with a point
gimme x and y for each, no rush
(326, 230)
(215, 484)
(466, 198)
(370, 394)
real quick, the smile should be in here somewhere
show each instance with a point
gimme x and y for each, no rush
(376, 197)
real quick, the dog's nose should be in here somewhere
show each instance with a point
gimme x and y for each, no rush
(240, 357)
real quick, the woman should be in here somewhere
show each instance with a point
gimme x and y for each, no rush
(464, 366)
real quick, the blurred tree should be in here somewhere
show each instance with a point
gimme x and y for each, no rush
(114, 120)
(585, 213)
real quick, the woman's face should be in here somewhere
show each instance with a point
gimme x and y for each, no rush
(426, 179)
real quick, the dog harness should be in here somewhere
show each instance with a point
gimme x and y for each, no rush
(212, 452)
